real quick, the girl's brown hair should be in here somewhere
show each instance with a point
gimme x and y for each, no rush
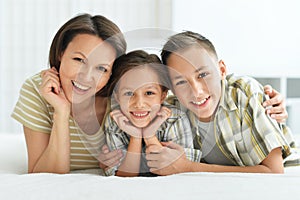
(138, 58)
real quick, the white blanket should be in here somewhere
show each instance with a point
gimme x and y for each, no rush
(16, 184)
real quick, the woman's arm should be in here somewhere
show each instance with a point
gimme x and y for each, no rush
(49, 153)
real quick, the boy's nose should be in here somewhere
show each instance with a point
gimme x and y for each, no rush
(197, 87)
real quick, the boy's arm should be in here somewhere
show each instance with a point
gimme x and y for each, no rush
(171, 160)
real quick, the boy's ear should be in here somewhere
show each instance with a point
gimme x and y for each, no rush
(163, 96)
(223, 69)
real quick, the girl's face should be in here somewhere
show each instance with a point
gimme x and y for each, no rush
(140, 96)
(85, 67)
(196, 78)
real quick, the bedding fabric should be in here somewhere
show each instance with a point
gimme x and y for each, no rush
(16, 184)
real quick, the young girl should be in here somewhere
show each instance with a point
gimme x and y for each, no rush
(65, 104)
(141, 117)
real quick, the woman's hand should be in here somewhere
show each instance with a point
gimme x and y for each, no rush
(108, 159)
(275, 106)
(51, 90)
(125, 125)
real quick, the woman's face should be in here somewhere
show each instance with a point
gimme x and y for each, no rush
(86, 66)
(140, 96)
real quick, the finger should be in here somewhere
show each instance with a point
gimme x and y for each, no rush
(153, 149)
(153, 164)
(277, 100)
(49, 85)
(268, 89)
(171, 145)
(105, 149)
(152, 157)
(275, 110)
(279, 117)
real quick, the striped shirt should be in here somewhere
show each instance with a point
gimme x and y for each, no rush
(176, 128)
(34, 112)
(245, 134)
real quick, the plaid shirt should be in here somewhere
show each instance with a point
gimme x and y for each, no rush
(244, 132)
(176, 128)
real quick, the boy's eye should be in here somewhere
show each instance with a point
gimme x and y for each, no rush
(128, 94)
(102, 69)
(180, 82)
(202, 75)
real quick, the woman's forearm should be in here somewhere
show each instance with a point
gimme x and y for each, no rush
(56, 157)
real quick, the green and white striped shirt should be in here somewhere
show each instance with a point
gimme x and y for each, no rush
(34, 112)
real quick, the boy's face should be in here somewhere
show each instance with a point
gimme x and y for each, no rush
(140, 96)
(196, 78)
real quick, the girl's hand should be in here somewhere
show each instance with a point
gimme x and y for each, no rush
(275, 106)
(51, 90)
(125, 125)
(163, 114)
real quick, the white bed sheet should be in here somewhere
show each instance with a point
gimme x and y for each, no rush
(16, 184)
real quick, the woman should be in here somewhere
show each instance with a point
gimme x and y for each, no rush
(62, 108)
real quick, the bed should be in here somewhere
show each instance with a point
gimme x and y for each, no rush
(16, 184)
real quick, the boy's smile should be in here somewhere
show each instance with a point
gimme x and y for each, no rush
(196, 78)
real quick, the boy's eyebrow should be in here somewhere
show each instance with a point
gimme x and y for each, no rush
(196, 71)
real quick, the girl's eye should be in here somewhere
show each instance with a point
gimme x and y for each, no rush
(102, 69)
(128, 94)
(180, 82)
(202, 75)
(79, 59)
(149, 93)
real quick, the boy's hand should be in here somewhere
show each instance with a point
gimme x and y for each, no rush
(108, 159)
(163, 114)
(125, 125)
(166, 160)
(275, 106)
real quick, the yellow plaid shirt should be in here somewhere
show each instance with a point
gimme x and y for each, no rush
(176, 128)
(244, 133)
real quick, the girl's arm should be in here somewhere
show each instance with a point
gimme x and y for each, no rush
(131, 163)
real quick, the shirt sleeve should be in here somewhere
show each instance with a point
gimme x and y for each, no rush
(31, 109)
(115, 139)
(178, 130)
(263, 133)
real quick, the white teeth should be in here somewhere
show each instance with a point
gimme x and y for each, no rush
(140, 114)
(82, 87)
(199, 102)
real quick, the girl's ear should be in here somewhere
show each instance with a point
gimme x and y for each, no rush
(223, 69)
(116, 96)
(163, 96)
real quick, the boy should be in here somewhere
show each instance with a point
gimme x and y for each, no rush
(230, 125)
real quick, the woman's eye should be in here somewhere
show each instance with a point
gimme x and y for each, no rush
(102, 69)
(180, 82)
(202, 75)
(79, 59)
(128, 94)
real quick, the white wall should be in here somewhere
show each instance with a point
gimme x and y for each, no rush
(28, 26)
(254, 37)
